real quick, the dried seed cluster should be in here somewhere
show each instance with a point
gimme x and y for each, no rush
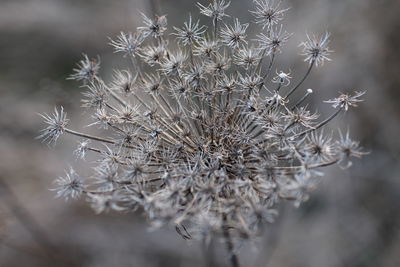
(200, 135)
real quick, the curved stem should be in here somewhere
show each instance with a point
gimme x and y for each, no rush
(258, 68)
(302, 80)
(300, 101)
(91, 137)
(215, 28)
(331, 117)
(269, 67)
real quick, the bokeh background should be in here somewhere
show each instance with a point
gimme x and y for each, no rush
(352, 220)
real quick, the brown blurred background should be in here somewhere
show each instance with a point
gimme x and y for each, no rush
(352, 220)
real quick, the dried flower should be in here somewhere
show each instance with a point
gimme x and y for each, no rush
(56, 126)
(316, 50)
(234, 35)
(347, 148)
(123, 82)
(69, 186)
(215, 10)
(153, 27)
(345, 100)
(247, 57)
(174, 63)
(127, 43)
(152, 55)
(198, 139)
(190, 33)
(273, 41)
(206, 48)
(268, 13)
(87, 69)
(96, 95)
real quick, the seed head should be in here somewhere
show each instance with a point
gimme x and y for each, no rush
(203, 139)
(56, 124)
(127, 43)
(215, 10)
(316, 49)
(190, 33)
(268, 12)
(206, 48)
(274, 40)
(153, 27)
(234, 35)
(344, 101)
(86, 69)
(247, 57)
(152, 55)
(69, 186)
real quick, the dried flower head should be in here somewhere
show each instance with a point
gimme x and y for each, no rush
(316, 49)
(215, 10)
(234, 35)
(204, 139)
(190, 33)
(206, 48)
(152, 55)
(56, 124)
(153, 27)
(268, 12)
(69, 186)
(86, 69)
(127, 43)
(123, 81)
(346, 100)
(247, 57)
(274, 40)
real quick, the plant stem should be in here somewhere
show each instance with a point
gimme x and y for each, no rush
(233, 258)
(302, 80)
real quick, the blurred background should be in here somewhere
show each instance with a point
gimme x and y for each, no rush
(352, 220)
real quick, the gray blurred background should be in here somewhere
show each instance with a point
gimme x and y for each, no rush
(352, 220)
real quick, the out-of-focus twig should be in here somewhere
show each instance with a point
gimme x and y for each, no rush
(23, 216)
(29, 223)
(155, 7)
(208, 252)
(272, 242)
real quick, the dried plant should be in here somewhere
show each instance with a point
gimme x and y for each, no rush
(201, 136)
